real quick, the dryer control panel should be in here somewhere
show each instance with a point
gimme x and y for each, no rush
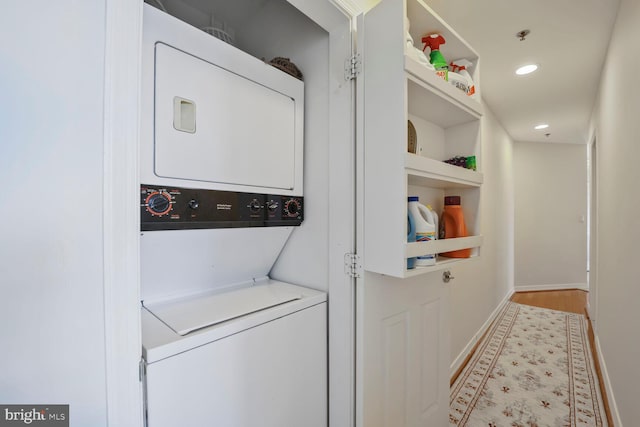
(174, 208)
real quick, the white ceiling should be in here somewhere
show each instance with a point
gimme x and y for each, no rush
(568, 41)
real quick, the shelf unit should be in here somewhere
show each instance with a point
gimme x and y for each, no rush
(442, 263)
(433, 173)
(447, 123)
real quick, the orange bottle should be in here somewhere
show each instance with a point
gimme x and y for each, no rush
(452, 225)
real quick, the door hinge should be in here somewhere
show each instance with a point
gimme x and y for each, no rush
(352, 265)
(352, 67)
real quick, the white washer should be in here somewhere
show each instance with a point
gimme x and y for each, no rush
(264, 367)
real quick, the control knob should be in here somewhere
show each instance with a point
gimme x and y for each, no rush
(254, 206)
(158, 203)
(272, 206)
(291, 208)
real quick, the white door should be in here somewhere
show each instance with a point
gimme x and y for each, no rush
(402, 326)
(403, 349)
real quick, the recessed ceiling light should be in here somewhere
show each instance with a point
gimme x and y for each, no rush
(526, 69)
(541, 126)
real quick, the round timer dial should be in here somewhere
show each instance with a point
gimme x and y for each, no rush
(158, 203)
(291, 208)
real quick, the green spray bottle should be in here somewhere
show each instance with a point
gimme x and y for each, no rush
(433, 41)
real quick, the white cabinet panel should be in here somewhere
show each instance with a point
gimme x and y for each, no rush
(395, 343)
(430, 355)
(248, 379)
(404, 354)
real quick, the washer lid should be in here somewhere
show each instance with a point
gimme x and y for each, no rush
(188, 315)
(159, 341)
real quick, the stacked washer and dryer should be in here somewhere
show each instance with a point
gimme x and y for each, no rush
(221, 173)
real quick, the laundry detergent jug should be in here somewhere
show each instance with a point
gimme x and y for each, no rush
(425, 229)
(452, 225)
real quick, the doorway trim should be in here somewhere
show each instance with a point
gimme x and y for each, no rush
(592, 229)
(123, 35)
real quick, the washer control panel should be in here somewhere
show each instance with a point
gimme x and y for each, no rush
(173, 208)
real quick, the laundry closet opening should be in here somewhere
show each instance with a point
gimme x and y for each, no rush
(234, 245)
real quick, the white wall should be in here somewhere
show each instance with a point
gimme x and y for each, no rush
(481, 285)
(617, 127)
(550, 215)
(51, 166)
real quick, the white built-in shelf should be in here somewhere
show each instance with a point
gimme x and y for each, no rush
(424, 20)
(436, 174)
(443, 245)
(442, 263)
(429, 90)
(447, 121)
(439, 246)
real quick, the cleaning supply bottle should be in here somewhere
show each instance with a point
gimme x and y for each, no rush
(411, 237)
(452, 225)
(437, 59)
(461, 67)
(458, 81)
(425, 229)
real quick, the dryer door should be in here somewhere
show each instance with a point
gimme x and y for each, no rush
(214, 125)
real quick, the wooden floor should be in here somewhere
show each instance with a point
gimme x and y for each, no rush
(574, 301)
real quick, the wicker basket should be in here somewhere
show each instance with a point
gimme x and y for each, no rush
(287, 66)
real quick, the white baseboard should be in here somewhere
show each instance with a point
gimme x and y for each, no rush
(615, 415)
(457, 363)
(554, 287)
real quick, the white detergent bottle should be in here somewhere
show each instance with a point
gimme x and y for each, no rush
(425, 229)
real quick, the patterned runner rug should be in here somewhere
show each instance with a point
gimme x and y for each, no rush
(533, 369)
